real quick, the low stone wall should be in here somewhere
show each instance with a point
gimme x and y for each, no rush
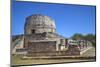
(41, 46)
(72, 50)
(54, 53)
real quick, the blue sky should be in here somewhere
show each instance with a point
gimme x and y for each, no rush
(69, 19)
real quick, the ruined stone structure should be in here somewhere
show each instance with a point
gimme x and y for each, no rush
(40, 38)
(40, 34)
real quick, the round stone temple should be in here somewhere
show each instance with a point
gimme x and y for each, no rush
(38, 23)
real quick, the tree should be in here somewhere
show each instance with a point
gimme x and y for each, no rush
(88, 37)
(77, 36)
(91, 38)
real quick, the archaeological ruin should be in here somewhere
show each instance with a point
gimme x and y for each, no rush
(41, 39)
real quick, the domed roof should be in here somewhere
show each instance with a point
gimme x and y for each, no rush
(40, 23)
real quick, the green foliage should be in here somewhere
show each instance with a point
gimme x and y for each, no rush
(91, 38)
(77, 36)
(88, 37)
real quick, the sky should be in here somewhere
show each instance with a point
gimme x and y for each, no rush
(69, 19)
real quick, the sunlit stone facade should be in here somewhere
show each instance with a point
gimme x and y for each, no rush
(38, 23)
(40, 38)
(40, 34)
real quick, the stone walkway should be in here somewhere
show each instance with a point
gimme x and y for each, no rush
(90, 52)
(85, 49)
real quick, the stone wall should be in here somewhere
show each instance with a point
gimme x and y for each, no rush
(39, 23)
(41, 46)
(72, 50)
(54, 53)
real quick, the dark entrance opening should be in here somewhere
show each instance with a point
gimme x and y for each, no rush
(33, 31)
